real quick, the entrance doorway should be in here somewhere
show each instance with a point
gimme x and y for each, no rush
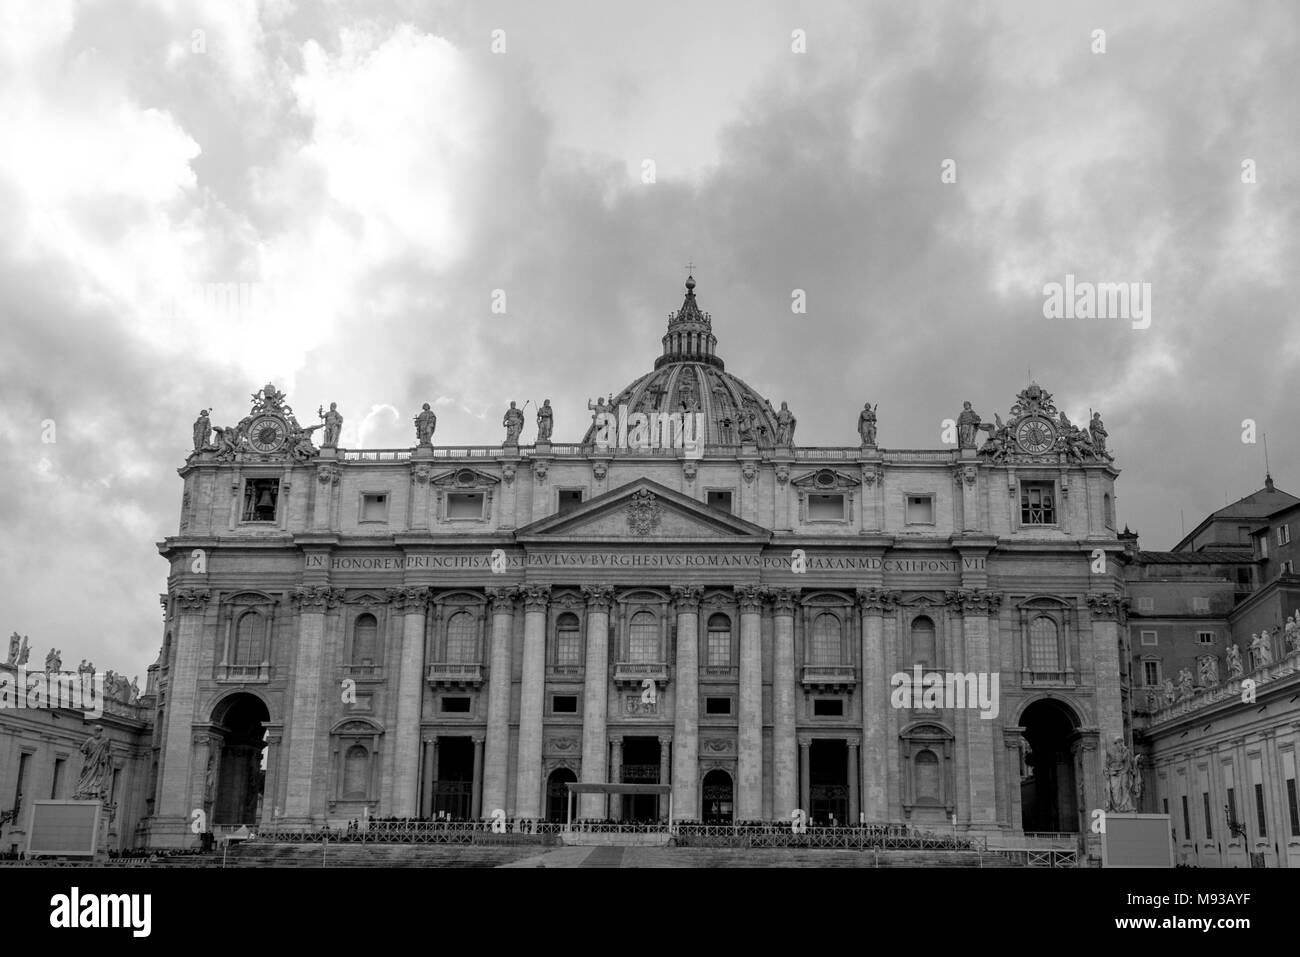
(641, 758)
(828, 775)
(234, 779)
(718, 800)
(557, 795)
(453, 785)
(1048, 800)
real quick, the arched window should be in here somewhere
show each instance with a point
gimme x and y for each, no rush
(364, 633)
(826, 645)
(719, 642)
(462, 638)
(1044, 652)
(643, 640)
(356, 773)
(923, 650)
(927, 778)
(568, 641)
(250, 641)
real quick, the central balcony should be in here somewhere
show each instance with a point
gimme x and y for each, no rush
(455, 674)
(1047, 679)
(634, 672)
(829, 677)
(245, 674)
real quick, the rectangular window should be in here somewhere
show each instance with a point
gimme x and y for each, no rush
(455, 705)
(1146, 604)
(1037, 503)
(719, 499)
(568, 647)
(717, 706)
(1187, 821)
(828, 707)
(564, 704)
(1288, 568)
(1151, 674)
(1292, 807)
(825, 508)
(260, 498)
(570, 498)
(461, 505)
(719, 651)
(23, 762)
(1232, 807)
(374, 507)
(1164, 805)
(1259, 809)
(1263, 545)
(1283, 534)
(56, 785)
(920, 510)
(1205, 637)
(1149, 638)
(1200, 603)
(1209, 824)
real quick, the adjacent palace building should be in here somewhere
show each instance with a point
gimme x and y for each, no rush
(437, 631)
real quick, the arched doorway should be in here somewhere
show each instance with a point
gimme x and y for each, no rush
(234, 784)
(718, 801)
(557, 794)
(1048, 788)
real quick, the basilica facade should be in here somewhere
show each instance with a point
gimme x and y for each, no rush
(452, 632)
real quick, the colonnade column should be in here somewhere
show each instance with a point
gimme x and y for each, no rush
(412, 604)
(528, 771)
(496, 763)
(312, 602)
(595, 699)
(785, 776)
(872, 603)
(749, 750)
(686, 720)
(616, 777)
(805, 781)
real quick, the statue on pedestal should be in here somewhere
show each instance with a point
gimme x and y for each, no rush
(1292, 631)
(514, 423)
(25, 652)
(1185, 687)
(53, 662)
(1097, 430)
(867, 424)
(202, 431)
(333, 422)
(1170, 695)
(1262, 649)
(15, 645)
(1119, 778)
(97, 755)
(785, 423)
(545, 421)
(1233, 656)
(1208, 666)
(967, 425)
(425, 424)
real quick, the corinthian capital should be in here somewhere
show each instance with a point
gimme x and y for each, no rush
(973, 601)
(878, 600)
(750, 597)
(687, 597)
(535, 596)
(784, 600)
(599, 597)
(502, 598)
(407, 598)
(1107, 605)
(316, 597)
(192, 599)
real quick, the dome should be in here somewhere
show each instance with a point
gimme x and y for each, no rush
(690, 377)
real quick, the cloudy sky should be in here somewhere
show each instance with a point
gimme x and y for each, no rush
(370, 173)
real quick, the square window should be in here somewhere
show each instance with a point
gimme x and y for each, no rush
(455, 705)
(1037, 503)
(1146, 604)
(1200, 604)
(570, 498)
(374, 506)
(1149, 638)
(825, 507)
(920, 510)
(564, 704)
(1205, 637)
(828, 707)
(464, 505)
(260, 498)
(719, 498)
(717, 706)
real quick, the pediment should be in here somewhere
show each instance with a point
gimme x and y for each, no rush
(466, 477)
(642, 511)
(825, 480)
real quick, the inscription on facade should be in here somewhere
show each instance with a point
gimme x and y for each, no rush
(633, 559)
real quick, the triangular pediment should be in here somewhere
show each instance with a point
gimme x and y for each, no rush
(642, 511)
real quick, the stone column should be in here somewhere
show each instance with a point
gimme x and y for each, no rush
(1012, 736)
(595, 699)
(476, 795)
(784, 683)
(272, 797)
(412, 604)
(805, 781)
(872, 603)
(426, 777)
(686, 719)
(174, 799)
(665, 749)
(616, 777)
(975, 608)
(855, 775)
(1107, 610)
(528, 770)
(496, 767)
(312, 602)
(749, 752)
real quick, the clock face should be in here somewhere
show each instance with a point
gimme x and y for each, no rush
(267, 433)
(1036, 436)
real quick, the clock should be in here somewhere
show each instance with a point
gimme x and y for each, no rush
(1036, 435)
(267, 433)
